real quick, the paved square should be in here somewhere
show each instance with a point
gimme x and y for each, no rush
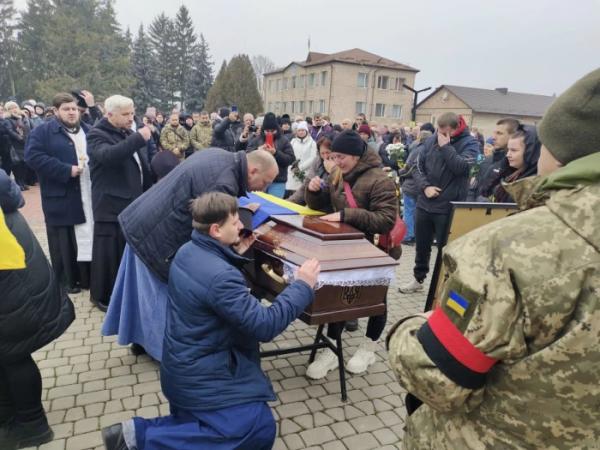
(89, 381)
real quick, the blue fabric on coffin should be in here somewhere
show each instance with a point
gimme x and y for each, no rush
(266, 209)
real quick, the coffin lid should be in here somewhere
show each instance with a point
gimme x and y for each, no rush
(337, 246)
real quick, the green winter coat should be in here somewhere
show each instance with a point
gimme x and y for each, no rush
(511, 359)
(200, 136)
(176, 140)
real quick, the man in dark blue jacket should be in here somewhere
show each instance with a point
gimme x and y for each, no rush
(443, 176)
(210, 369)
(57, 151)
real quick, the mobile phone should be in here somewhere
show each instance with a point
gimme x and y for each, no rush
(234, 108)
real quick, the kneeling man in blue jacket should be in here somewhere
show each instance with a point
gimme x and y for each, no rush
(210, 369)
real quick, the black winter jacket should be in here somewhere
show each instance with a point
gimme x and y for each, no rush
(447, 168)
(33, 308)
(226, 134)
(159, 222)
(116, 176)
(284, 153)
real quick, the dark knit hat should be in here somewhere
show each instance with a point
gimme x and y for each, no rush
(270, 122)
(570, 128)
(224, 112)
(350, 143)
(427, 126)
(366, 129)
(163, 163)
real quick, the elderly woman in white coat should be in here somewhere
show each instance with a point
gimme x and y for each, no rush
(305, 150)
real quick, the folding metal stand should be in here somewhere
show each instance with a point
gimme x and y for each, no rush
(321, 341)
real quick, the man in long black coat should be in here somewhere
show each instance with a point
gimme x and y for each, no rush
(120, 172)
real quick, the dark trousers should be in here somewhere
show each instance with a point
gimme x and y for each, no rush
(20, 391)
(6, 161)
(20, 172)
(107, 250)
(63, 255)
(375, 326)
(427, 226)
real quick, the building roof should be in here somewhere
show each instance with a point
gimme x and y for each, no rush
(499, 100)
(353, 56)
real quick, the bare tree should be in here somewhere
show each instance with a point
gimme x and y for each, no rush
(261, 64)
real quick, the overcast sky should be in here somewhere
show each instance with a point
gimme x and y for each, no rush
(534, 46)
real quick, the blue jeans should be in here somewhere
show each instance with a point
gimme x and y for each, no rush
(276, 189)
(410, 204)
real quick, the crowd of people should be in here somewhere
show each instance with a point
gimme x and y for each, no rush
(122, 195)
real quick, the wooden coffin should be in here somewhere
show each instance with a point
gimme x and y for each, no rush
(337, 246)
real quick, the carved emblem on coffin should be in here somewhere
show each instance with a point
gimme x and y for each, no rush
(350, 294)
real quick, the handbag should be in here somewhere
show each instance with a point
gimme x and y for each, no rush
(391, 242)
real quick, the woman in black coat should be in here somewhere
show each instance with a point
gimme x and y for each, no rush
(33, 312)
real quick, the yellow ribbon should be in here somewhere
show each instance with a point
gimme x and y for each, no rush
(302, 210)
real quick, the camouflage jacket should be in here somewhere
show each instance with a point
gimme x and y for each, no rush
(511, 358)
(200, 136)
(176, 140)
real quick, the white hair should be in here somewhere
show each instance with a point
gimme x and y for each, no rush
(117, 102)
(11, 105)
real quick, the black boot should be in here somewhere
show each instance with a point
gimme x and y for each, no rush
(137, 349)
(113, 438)
(351, 325)
(26, 434)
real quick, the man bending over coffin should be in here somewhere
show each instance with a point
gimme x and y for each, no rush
(210, 369)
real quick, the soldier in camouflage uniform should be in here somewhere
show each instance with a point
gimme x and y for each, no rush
(511, 358)
(201, 134)
(174, 137)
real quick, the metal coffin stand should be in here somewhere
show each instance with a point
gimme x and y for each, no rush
(337, 247)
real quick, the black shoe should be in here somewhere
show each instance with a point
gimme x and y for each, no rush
(137, 349)
(26, 434)
(113, 438)
(100, 305)
(351, 325)
(408, 242)
(73, 290)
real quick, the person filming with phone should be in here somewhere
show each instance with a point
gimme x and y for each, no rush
(442, 177)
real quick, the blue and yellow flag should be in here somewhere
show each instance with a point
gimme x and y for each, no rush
(12, 255)
(457, 303)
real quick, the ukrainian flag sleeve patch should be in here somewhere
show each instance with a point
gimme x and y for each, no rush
(457, 303)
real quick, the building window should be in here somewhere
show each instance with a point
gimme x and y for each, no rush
(277, 105)
(432, 120)
(284, 108)
(311, 106)
(396, 111)
(293, 82)
(363, 80)
(322, 104)
(270, 106)
(399, 84)
(270, 85)
(301, 106)
(285, 84)
(311, 80)
(323, 79)
(383, 82)
(379, 110)
(361, 107)
(301, 81)
(278, 84)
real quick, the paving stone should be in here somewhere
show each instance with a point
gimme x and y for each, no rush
(144, 388)
(93, 397)
(351, 412)
(294, 442)
(63, 403)
(148, 412)
(84, 441)
(120, 370)
(63, 430)
(55, 417)
(305, 421)
(365, 441)
(314, 405)
(74, 414)
(56, 444)
(336, 413)
(389, 418)
(366, 407)
(342, 429)
(113, 406)
(132, 402)
(150, 400)
(294, 383)
(334, 445)
(287, 426)
(65, 380)
(121, 392)
(92, 386)
(385, 436)
(86, 425)
(117, 417)
(366, 423)
(94, 409)
(292, 410)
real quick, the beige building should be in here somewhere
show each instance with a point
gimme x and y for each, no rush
(342, 85)
(482, 108)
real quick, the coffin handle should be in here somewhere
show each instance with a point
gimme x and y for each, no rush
(271, 273)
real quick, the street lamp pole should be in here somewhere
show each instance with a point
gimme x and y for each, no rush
(416, 95)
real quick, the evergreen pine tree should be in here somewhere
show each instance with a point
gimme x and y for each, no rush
(143, 70)
(7, 48)
(240, 85)
(216, 96)
(201, 77)
(161, 35)
(184, 51)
